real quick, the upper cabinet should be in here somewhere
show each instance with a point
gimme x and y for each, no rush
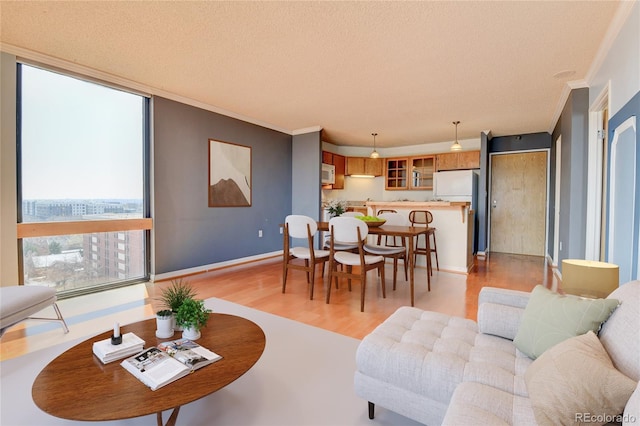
(422, 169)
(410, 172)
(339, 161)
(461, 160)
(364, 166)
(396, 173)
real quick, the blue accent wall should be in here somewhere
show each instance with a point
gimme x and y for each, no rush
(188, 233)
(630, 109)
(573, 126)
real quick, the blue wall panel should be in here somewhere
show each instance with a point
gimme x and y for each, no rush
(188, 233)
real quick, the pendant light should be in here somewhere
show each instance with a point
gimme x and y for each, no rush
(456, 146)
(374, 153)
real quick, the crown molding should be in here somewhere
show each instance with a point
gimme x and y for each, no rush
(619, 18)
(31, 57)
(306, 130)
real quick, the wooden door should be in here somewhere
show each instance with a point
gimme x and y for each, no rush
(518, 203)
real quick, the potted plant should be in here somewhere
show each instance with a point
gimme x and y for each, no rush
(336, 207)
(192, 315)
(164, 323)
(173, 296)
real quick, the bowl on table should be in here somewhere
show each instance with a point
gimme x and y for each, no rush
(371, 223)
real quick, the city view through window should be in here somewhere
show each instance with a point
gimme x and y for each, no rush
(81, 165)
(69, 262)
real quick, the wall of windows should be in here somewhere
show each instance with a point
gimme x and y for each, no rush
(83, 209)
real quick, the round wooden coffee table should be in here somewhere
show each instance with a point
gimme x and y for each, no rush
(77, 386)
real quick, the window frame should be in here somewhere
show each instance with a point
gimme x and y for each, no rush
(49, 229)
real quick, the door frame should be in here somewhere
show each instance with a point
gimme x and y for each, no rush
(490, 191)
(595, 165)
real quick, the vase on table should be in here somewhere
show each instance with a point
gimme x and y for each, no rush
(191, 333)
(164, 324)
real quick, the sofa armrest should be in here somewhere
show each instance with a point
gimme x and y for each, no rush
(500, 311)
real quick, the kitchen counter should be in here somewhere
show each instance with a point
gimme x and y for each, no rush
(454, 237)
(462, 206)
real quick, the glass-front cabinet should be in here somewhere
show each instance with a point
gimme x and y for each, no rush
(422, 169)
(410, 172)
(396, 173)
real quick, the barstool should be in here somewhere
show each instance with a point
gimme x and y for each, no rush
(424, 217)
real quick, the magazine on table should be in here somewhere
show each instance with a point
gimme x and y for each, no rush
(169, 361)
(189, 353)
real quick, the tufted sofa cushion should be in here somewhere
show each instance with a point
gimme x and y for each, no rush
(429, 354)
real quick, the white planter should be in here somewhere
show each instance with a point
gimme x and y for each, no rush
(176, 327)
(191, 333)
(164, 327)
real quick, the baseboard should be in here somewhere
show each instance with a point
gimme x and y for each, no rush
(213, 266)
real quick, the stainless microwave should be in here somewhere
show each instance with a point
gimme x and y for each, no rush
(328, 174)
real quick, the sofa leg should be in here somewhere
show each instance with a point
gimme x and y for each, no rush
(372, 407)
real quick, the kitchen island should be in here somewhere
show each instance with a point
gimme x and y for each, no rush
(454, 223)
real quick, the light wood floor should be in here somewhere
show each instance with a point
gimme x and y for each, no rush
(259, 286)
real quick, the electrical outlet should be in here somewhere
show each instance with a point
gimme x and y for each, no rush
(281, 230)
(259, 233)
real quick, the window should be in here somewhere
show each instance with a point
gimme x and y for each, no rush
(82, 167)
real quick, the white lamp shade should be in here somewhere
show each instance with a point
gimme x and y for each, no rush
(588, 278)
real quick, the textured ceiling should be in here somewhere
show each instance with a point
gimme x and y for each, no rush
(405, 70)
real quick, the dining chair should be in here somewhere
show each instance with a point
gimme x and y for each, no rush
(301, 227)
(424, 218)
(381, 211)
(352, 214)
(350, 230)
(391, 249)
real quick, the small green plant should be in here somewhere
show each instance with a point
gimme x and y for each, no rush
(192, 314)
(164, 313)
(179, 291)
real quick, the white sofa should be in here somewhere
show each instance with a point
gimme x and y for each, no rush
(438, 369)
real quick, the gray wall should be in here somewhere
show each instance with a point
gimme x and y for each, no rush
(306, 159)
(573, 127)
(188, 233)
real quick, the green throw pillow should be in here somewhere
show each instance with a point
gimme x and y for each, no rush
(551, 318)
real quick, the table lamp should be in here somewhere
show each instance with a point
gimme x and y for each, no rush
(589, 278)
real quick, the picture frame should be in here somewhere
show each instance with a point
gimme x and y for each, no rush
(229, 174)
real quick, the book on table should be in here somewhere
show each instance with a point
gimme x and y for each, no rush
(106, 352)
(169, 361)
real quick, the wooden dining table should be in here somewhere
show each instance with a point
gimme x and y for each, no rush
(408, 233)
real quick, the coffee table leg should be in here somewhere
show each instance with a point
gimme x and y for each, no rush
(171, 421)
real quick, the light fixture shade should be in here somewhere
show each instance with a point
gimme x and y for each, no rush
(456, 146)
(588, 278)
(374, 153)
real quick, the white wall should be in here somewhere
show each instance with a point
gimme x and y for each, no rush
(621, 64)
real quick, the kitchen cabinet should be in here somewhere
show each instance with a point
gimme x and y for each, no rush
(339, 161)
(462, 160)
(364, 166)
(422, 169)
(410, 173)
(396, 176)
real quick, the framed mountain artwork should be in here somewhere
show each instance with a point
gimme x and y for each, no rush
(229, 174)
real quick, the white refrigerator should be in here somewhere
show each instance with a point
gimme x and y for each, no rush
(456, 185)
(459, 185)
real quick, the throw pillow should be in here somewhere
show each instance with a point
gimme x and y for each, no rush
(575, 382)
(549, 318)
